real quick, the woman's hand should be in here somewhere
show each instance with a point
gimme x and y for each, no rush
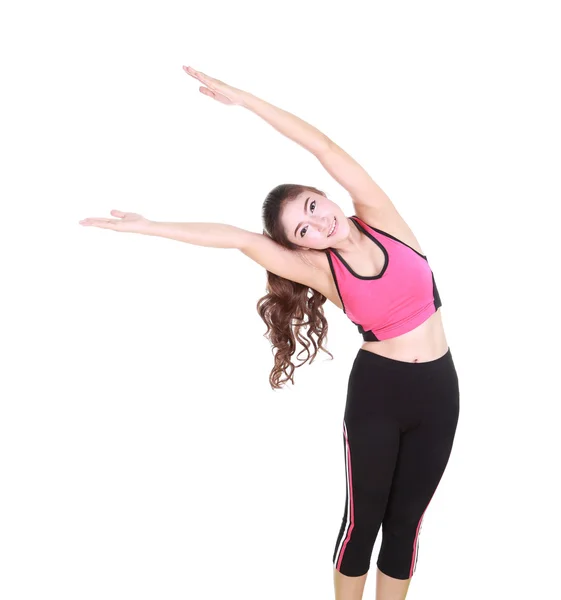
(217, 89)
(129, 222)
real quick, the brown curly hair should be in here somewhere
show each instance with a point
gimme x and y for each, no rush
(287, 303)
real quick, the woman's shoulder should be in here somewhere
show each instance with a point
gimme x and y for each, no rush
(387, 220)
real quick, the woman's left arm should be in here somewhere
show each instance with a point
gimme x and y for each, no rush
(289, 125)
(343, 168)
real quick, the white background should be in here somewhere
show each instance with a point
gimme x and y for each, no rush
(143, 453)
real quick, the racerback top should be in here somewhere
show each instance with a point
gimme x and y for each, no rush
(397, 300)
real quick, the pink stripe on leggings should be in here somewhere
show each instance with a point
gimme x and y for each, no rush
(415, 546)
(416, 541)
(351, 502)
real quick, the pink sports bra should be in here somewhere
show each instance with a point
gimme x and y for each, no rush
(401, 297)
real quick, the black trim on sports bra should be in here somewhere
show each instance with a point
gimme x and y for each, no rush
(390, 236)
(436, 295)
(335, 279)
(367, 336)
(386, 255)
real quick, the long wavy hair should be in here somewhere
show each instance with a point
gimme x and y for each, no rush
(287, 304)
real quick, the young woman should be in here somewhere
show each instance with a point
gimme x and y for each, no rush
(402, 403)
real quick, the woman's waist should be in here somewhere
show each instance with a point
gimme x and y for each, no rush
(424, 343)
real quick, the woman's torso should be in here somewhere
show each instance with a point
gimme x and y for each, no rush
(424, 343)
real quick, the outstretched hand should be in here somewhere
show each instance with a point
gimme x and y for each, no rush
(217, 89)
(127, 221)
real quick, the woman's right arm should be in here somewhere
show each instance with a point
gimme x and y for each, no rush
(213, 235)
(290, 264)
(281, 261)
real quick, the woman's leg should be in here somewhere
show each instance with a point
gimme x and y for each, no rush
(388, 588)
(371, 444)
(371, 447)
(399, 425)
(352, 588)
(348, 588)
(424, 450)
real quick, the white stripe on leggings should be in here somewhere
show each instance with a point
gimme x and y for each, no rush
(350, 507)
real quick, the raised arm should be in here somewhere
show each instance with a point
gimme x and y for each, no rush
(340, 165)
(363, 190)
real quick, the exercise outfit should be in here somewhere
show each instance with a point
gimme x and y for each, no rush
(400, 417)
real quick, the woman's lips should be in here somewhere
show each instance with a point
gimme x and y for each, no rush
(336, 225)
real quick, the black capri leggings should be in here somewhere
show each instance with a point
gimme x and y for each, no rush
(398, 430)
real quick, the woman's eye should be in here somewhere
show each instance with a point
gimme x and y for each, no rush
(311, 210)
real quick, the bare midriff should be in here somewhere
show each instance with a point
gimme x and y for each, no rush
(426, 342)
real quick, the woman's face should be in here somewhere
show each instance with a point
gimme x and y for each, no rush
(308, 220)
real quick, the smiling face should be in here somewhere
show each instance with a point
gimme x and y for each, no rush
(308, 220)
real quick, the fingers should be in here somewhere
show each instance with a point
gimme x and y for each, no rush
(209, 81)
(103, 221)
(192, 72)
(97, 222)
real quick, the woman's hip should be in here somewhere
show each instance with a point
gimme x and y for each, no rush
(401, 389)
